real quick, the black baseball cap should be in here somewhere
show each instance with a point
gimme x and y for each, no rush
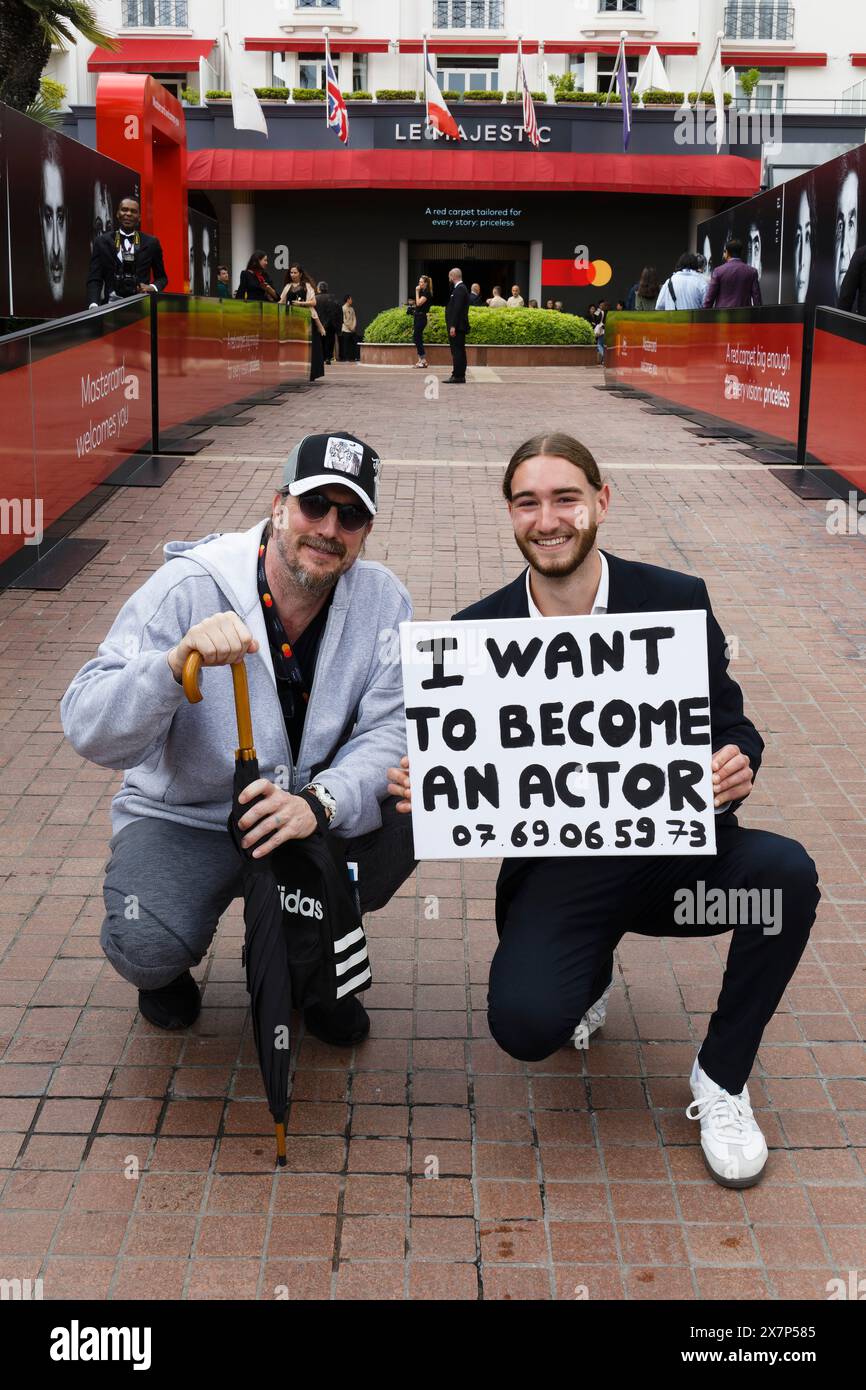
(320, 459)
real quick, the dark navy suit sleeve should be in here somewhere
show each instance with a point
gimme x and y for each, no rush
(729, 723)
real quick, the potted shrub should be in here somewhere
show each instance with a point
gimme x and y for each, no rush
(358, 96)
(584, 98)
(308, 94)
(482, 94)
(395, 94)
(518, 96)
(214, 95)
(272, 94)
(707, 97)
(654, 97)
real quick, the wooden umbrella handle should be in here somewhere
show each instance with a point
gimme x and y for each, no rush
(191, 688)
(189, 677)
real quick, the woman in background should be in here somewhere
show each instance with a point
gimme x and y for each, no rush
(255, 283)
(349, 332)
(298, 288)
(647, 289)
(420, 305)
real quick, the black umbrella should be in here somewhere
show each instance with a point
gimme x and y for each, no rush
(265, 941)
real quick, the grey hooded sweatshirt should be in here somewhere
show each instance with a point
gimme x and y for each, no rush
(124, 709)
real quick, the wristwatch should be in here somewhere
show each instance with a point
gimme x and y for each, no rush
(324, 798)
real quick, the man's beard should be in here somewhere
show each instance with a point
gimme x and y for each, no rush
(301, 578)
(556, 567)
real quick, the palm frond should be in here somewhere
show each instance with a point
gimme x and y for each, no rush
(64, 21)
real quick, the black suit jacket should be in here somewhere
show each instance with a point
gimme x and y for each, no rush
(854, 284)
(635, 586)
(457, 309)
(104, 264)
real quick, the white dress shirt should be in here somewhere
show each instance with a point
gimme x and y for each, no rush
(599, 603)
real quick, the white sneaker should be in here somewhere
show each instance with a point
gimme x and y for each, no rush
(592, 1020)
(735, 1150)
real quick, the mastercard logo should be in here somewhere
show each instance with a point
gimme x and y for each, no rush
(592, 272)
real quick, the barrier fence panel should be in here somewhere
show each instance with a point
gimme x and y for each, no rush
(213, 353)
(743, 367)
(75, 401)
(834, 433)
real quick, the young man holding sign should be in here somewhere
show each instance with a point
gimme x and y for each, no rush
(640, 855)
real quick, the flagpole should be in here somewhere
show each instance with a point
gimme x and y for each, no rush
(326, 31)
(424, 79)
(719, 37)
(619, 54)
(517, 82)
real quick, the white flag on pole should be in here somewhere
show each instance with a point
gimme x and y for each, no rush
(247, 113)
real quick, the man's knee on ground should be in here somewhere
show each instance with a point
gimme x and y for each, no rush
(146, 961)
(527, 1032)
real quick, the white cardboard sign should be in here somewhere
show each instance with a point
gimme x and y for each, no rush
(559, 736)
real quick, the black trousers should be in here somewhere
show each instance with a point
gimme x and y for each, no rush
(348, 347)
(328, 341)
(559, 921)
(418, 336)
(458, 355)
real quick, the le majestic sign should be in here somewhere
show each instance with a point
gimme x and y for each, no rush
(473, 132)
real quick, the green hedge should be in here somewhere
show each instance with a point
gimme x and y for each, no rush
(654, 98)
(482, 94)
(308, 94)
(708, 98)
(487, 326)
(358, 96)
(518, 96)
(395, 94)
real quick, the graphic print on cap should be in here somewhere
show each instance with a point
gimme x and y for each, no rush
(344, 455)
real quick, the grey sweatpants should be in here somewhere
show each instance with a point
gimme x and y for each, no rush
(167, 885)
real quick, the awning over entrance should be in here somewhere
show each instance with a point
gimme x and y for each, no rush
(151, 55)
(722, 176)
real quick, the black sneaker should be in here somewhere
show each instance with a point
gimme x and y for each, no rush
(343, 1026)
(176, 1005)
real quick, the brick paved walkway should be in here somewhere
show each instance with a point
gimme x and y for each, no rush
(579, 1171)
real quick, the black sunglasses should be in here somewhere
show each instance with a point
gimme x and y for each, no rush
(352, 516)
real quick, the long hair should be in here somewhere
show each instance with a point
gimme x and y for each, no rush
(303, 277)
(427, 282)
(254, 262)
(648, 284)
(554, 445)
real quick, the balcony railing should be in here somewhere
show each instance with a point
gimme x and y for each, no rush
(468, 14)
(142, 14)
(759, 19)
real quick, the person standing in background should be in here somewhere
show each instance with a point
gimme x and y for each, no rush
(475, 294)
(734, 285)
(515, 299)
(420, 306)
(457, 323)
(298, 288)
(496, 300)
(349, 332)
(647, 289)
(255, 283)
(332, 319)
(223, 285)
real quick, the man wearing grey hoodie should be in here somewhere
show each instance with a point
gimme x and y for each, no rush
(315, 622)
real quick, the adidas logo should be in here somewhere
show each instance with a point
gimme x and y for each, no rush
(304, 907)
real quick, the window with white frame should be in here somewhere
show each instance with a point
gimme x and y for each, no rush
(144, 14)
(769, 94)
(577, 68)
(619, 6)
(317, 4)
(605, 72)
(468, 74)
(468, 14)
(759, 19)
(311, 71)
